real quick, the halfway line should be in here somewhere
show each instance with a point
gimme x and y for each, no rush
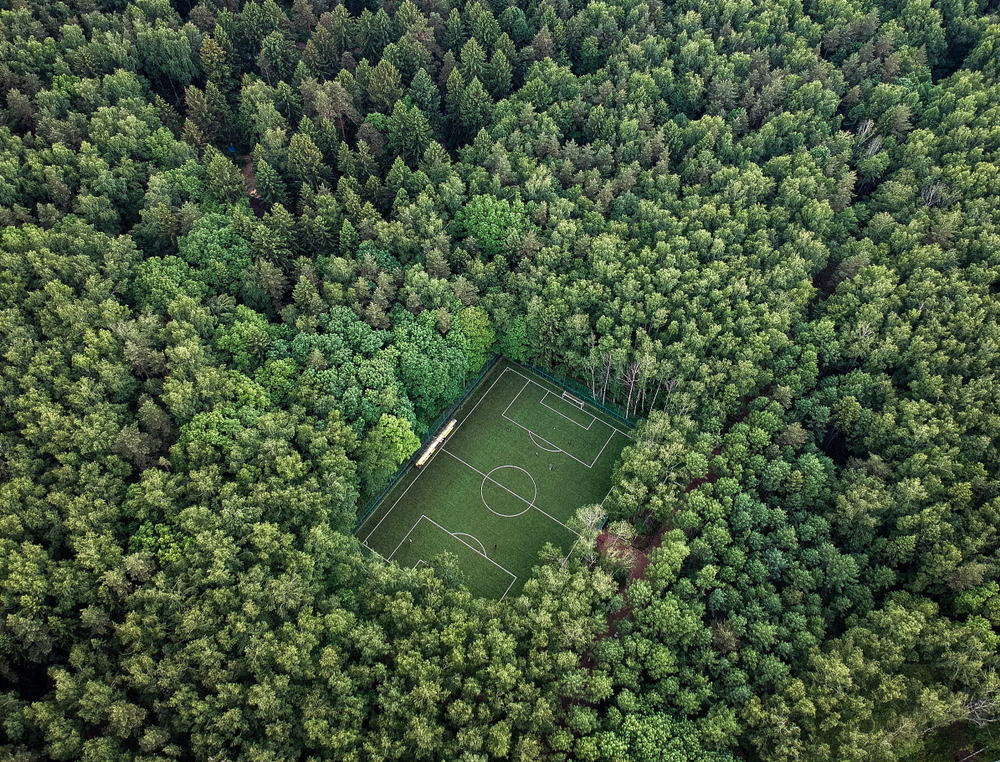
(490, 478)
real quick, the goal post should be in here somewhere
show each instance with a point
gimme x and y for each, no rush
(573, 400)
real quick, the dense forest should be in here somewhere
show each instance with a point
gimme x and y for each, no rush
(250, 251)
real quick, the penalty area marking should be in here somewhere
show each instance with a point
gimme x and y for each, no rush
(526, 382)
(536, 434)
(545, 389)
(405, 538)
(453, 534)
(533, 434)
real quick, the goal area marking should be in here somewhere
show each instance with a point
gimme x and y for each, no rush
(573, 402)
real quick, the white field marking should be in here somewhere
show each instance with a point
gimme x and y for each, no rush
(375, 528)
(526, 382)
(536, 434)
(532, 381)
(508, 588)
(461, 422)
(487, 478)
(499, 566)
(579, 537)
(530, 505)
(422, 471)
(419, 561)
(531, 436)
(613, 431)
(554, 519)
(585, 428)
(571, 549)
(466, 534)
(374, 552)
(482, 497)
(389, 557)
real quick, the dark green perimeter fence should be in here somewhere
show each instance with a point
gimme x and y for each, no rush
(582, 391)
(569, 384)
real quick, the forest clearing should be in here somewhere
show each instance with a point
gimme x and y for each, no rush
(520, 462)
(733, 495)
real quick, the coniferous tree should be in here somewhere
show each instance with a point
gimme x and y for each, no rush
(409, 132)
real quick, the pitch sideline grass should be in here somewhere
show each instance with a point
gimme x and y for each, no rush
(519, 463)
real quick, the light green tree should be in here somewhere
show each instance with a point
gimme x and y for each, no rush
(386, 445)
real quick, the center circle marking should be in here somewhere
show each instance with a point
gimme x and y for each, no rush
(487, 478)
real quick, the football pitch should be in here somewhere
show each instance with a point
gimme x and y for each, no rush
(520, 461)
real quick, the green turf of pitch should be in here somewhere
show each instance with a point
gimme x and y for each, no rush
(427, 538)
(520, 462)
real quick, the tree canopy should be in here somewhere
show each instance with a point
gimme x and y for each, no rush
(250, 252)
